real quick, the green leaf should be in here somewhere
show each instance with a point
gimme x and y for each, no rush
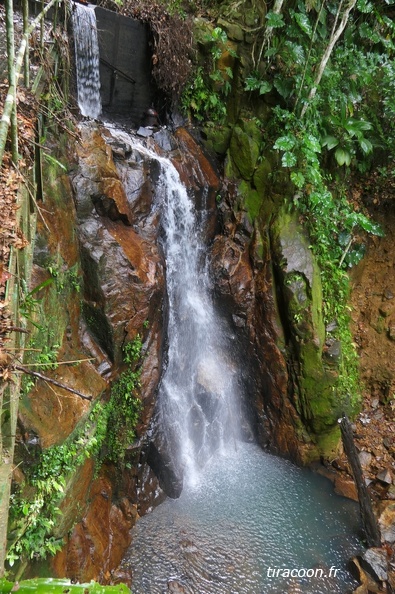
(343, 157)
(365, 6)
(366, 146)
(303, 23)
(288, 159)
(330, 142)
(284, 143)
(312, 143)
(274, 20)
(298, 179)
(284, 86)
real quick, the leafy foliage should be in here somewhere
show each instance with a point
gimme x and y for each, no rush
(204, 99)
(35, 508)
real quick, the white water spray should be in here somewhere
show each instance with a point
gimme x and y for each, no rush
(87, 60)
(198, 399)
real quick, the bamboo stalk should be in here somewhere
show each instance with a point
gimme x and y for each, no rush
(11, 77)
(26, 64)
(10, 99)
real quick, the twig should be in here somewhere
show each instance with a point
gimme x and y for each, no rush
(346, 251)
(51, 381)
(58, 362)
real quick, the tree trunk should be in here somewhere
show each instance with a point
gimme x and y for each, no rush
(324, 60)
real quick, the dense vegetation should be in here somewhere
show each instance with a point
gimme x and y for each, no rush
(328, 68)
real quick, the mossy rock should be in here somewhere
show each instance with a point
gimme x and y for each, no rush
(262, 176)
(244, 152)
(251, 200)
(232, 30)
(217, 138)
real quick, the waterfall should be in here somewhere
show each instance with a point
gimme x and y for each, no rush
(198, 399)
(87, 60)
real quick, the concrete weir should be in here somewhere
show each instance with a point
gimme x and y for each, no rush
(125, 65)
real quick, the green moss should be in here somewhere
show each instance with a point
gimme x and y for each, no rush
(251, 200)
(262, 176)
(244, 151)
(217, 138)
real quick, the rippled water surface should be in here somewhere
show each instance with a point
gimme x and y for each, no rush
(250, 513)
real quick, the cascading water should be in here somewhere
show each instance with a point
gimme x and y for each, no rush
(87, 60)
(198, 400)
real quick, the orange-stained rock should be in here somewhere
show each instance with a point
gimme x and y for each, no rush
(97, 164)
(202, 172)
(97, 543)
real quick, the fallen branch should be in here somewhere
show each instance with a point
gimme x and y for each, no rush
(51, 381)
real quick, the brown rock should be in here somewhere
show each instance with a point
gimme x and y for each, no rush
(346, 488)
(387, 521)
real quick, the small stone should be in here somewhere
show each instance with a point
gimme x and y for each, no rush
(331, 326)
(385, 310)
(334, 351)
(144, 132)
(175, 586)
(375, 562)
(365, 458)
(238, 321)
(391, 332)
(375, 402)
(385, 476)
(388, 294)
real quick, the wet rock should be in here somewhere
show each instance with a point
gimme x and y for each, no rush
(144, 132)
(199, 176)
(165, 140)
(232, 270)
(162, 458)
(96, 544)
(375, 562)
